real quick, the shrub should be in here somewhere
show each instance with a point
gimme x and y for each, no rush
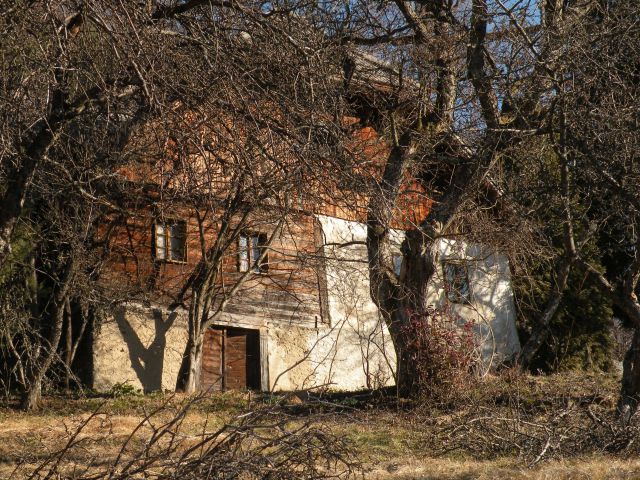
(443, 350)
(124, 389)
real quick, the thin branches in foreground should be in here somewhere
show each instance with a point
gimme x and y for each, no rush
(263, 443)
(537, 428)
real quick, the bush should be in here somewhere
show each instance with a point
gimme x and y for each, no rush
(443, 350)
(124, 389)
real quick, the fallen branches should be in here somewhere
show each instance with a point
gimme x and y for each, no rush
(536, 430)
(262, 443)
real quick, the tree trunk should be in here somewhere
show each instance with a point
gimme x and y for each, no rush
(406, 374)
(563, 269)
(68, 347)
(630, 391)
(33, 391)
(32, 397)
(386, 290)
(189, 375)
(624, 297)
(33, 394)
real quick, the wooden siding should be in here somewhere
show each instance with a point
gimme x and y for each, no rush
(286, 292)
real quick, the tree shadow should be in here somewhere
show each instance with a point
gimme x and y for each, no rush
(147, 362)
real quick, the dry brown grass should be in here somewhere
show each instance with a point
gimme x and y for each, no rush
(32, 436)
(584, 468)
(394, 441)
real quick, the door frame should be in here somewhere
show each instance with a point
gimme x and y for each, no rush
(262, 360)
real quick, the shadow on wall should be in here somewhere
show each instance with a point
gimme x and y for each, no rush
(147, 362)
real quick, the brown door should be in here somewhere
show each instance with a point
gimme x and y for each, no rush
(235, 360)
(231, 359)
(211, 371)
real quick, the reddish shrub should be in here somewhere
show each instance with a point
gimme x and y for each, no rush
(442, 349)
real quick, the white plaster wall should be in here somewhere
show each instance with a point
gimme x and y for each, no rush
(139, 346)
(347, 355)
(355, 350)
(492, 306)
(290, 365)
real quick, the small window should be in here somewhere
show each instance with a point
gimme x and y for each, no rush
(251, 247)
(456, 282)
(171, 241)
(397, 264)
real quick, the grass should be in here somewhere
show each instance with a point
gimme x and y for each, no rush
(393, 440)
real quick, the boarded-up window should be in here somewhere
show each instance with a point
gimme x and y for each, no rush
(456, 282)
(251, 247)
(170, 241)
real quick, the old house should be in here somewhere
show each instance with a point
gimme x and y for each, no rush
(301, 315)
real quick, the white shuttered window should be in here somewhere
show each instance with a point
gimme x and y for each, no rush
(171, 241)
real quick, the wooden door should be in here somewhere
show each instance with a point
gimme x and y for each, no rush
(235, 360)
(212, 361)
(231, 359)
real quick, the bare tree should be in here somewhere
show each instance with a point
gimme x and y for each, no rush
(464, 92)
(142, 110)
(601, 143)
(235, 115)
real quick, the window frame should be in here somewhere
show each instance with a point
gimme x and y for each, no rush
(452, 294)
(166, 227)
(262, 239)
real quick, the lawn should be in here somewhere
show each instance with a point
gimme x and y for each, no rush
(547, 427)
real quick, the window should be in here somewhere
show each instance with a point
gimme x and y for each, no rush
(456, 282)
(170, 241)
(397, 264)
(250, 249)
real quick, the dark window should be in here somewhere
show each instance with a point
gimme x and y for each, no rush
(171, 241)
(397, 264)
(456, 282)
(251, 248)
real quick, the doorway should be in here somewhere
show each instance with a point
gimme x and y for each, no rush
(230, 359)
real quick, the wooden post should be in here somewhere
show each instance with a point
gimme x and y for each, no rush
(264, 360)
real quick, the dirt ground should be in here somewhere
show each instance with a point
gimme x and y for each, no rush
(391, 439)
